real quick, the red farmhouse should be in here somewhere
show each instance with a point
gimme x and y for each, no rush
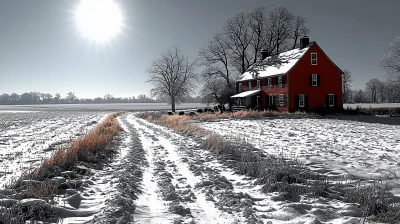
(300, 79)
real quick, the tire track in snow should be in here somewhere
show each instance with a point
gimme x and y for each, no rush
(150, 207)
(101, 188)
(202, 208)
(246, 199)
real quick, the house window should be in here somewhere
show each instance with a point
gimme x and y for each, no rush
(269, 82)
(240, 88)
(258, 84)
(313, 58)
(281, 102)
(301, 100)
(280, 82)
(271, 100)
(314, 80)
(250, 88)
(331, 100)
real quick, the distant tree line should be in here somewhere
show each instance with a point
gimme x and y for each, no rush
(71, 98)
(378, 91)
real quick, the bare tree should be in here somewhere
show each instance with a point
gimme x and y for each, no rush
(238, 47)
(281, 20)
(172, 75)
(239, 37)
(381, 91)
(391, 60)
(258, 23)
(371, 87)
(359, 96)
(299, 30)
(216, 90)
(392, 90)
(346, 80)
(218, 70)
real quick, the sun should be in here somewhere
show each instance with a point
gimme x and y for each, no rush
(98, 20)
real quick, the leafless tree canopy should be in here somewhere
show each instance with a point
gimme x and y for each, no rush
(391, 60)
(172, 75)
(238, 46)
(346, 80)
(372, 88)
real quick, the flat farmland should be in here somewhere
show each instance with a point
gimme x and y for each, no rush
(334, 147)
(27, 137)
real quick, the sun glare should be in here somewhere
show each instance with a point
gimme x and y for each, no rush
(98, 20)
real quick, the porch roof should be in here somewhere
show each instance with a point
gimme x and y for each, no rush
(246, 94)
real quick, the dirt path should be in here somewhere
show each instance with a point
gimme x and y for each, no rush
(215, 193)
(173, 192)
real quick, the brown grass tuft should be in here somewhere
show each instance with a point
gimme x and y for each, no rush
(91, 147)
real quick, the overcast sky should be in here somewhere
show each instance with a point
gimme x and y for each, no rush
(40, 49)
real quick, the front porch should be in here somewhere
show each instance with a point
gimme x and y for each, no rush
(247, 100)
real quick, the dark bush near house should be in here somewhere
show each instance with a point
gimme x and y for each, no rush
(170, 113)
(211, 111)
(200, 111)
(206, 109)
(192, 114)
(259, 108)
(323, 110)
(380, 111)
(181, 113)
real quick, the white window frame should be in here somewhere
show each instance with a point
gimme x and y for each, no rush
(314, 80)
(281, 103)
(313, 60)
(249, 86)
(270, 82)
(302, 100)
(240, 87)
(258, 84)
(280, 85)
(331, 97)
(271, 100)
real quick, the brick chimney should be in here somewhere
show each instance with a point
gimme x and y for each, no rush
(264, 54)
(304, 41)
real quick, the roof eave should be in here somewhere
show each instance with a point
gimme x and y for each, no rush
(330, 59)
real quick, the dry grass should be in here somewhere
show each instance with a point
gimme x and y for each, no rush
(213, 116)
(42, 191)
(91, 147)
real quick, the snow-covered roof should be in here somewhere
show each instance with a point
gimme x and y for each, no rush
(274, 65)
(245, 94)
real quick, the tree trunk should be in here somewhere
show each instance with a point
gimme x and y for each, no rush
(173, 104)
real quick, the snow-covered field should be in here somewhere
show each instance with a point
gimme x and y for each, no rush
(330, 146)
(26, 137)
(159, 176)
(373, 105)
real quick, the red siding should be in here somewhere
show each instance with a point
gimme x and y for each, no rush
(264, 100)
(330, 80)
(274, 91)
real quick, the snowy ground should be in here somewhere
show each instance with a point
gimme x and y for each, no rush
(212, 192)
(158, 176)
(26, 137)
(333, 147)
(373, 105)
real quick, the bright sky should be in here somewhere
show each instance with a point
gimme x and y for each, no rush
(41, 49)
